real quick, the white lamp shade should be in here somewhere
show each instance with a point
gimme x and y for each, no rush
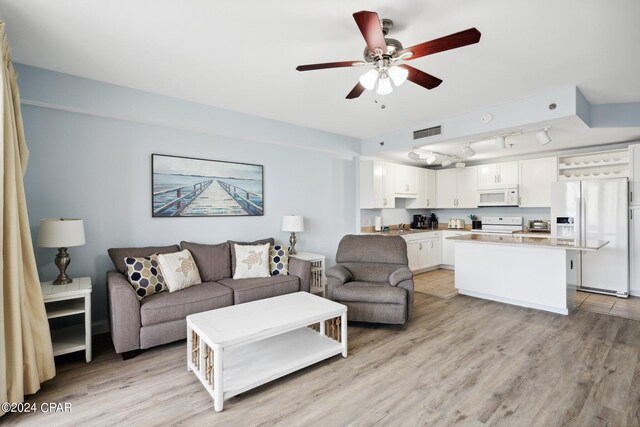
(368, 79)
(398, 74)
(293, 223)
(61, 233)
(384, 86)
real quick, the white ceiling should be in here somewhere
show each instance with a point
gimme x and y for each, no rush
(242, 55)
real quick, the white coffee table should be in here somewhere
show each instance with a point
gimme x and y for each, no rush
(234, 349)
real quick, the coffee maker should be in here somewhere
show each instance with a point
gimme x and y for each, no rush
(433, 222)
(419, 221)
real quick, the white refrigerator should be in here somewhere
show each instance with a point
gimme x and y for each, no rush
(595, 210)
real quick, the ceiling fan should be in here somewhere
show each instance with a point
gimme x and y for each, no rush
(384, 53)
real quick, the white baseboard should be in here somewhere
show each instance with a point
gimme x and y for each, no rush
(100, 327)
(634, 292)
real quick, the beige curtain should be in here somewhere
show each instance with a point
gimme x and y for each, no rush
(26, 356)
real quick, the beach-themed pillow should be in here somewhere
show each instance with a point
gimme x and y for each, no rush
(179, 270)
(252, 261)
(279, 260)
(145, 275)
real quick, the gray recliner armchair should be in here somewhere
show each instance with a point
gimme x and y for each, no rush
(372, 279)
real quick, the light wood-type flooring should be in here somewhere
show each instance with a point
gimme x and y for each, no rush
(460, 361)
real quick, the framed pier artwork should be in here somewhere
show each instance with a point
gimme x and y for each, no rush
(185, 186)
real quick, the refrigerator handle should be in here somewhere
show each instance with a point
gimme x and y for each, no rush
(583, 220)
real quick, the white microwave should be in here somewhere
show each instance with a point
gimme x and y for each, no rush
(502, 197)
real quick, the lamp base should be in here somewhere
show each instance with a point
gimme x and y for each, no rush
(292, 243)
(62, 261)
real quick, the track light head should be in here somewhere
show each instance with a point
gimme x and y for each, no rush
(468, 151)
(446, 162)
(432, 159)
(501, 143)
(414, 156)
(543, 137)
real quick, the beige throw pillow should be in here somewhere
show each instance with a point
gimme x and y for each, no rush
(252, 261)
(179, 270)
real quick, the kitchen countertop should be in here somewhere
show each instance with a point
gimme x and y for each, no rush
(540, 242)
(398, 232)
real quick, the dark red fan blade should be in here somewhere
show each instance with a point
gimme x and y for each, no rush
(452, 41)
(371, 30)
(356, 91)
(421, 78)
(327, 65)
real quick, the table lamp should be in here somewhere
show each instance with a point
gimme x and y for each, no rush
(294, 224)
(61, 233)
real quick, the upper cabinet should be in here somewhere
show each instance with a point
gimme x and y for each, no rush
(426, 197)
(536, 176)
(456, 188)
(406, 181)
(498, 175)
(377, 185)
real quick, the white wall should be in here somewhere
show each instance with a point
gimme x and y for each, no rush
(96, 165)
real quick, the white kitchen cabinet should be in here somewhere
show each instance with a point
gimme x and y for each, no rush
(634, 251)
(497, 175)
(467, 187)
(424, 250)
(456, 188)
(536, 176)
(448, 248)
(446, 188)
(377, 185)
(634, 175)
(426, 197)
(406, 181)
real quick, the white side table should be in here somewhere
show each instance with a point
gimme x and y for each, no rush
(318, 279)
(67, 300)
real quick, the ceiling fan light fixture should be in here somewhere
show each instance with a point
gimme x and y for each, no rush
(384, 85)
(432, 159)
(398, 74)
(501, 143)
(543, 137)
(368, 79)
(468, 151)
(446, 162)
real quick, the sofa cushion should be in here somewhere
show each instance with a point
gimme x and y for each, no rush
(279, 260)
(245, 290)
(270, 240)
(119, 254)
(213, 261)
(375, 292)
(145, 275)
(165, 306)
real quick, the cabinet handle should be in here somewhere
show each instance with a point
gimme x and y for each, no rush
(384, 201)
(431, 244)
(427, 202)
(495, 178)
(420, 247)
(631, 214)
(499, 178)
(630, 196)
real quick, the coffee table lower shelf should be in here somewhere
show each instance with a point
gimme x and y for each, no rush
(250, 365)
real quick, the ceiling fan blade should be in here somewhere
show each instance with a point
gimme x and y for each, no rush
(329, 65)
(356, 91)
(421, 78)
(371, 30)
(452, 41)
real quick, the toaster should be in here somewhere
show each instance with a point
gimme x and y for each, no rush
(456, 223)
(540, 225)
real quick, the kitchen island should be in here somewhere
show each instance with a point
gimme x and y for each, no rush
(536, 272)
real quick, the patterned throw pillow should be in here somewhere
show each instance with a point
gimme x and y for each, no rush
(145, 275)
(252, 261)
(180, 270)
(279, 260)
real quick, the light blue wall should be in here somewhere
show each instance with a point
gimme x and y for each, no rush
(91, 146)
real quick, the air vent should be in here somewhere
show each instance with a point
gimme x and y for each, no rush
(428, 132)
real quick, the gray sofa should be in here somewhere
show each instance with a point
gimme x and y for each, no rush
(372, 279)
(160, 318)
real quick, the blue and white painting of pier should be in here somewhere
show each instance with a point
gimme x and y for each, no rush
(184, 186)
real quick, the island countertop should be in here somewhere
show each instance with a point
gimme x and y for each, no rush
(540, 242)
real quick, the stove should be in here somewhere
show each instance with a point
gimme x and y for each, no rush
(501, 224)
